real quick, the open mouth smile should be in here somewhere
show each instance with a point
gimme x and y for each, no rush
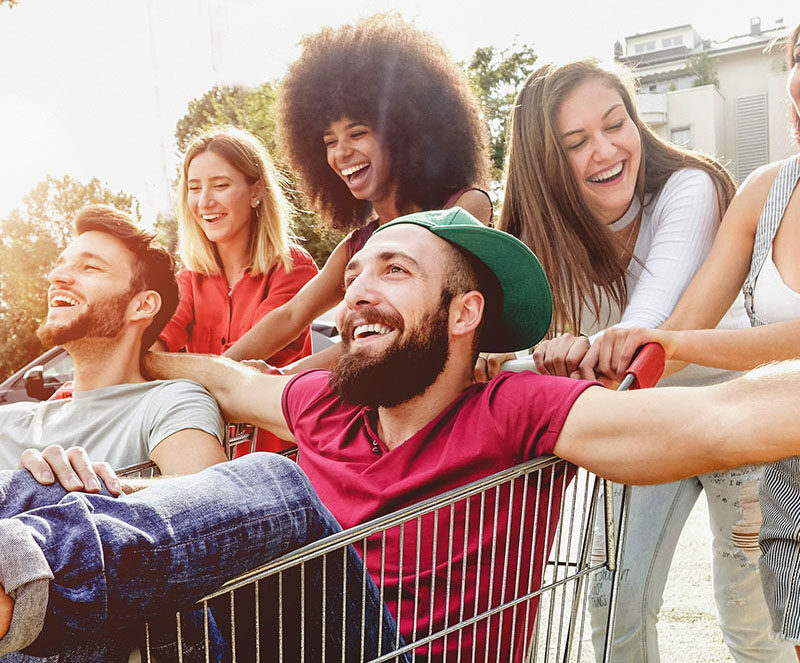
(212, 217)
(613, 174)
(62, 301)
(372, 329)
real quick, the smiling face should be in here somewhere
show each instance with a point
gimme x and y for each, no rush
(90, 290)
(220, 198)
(358, 157)
(602, 145)
(394, 318)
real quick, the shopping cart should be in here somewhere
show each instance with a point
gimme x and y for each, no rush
(482, 588)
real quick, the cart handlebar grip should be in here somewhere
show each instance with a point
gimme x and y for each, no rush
(647, 365)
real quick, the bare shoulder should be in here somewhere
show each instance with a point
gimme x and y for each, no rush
(477, 203)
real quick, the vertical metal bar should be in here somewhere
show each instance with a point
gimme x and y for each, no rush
(257, 609)
(433, 578)
(302, 612)
(344, 603)
(416, 578)
(400, 584)
(464, 556)
(518, 574)
(147, 640)
(205, 631)
(478, 573)
(381, 590)
(616, 575)
(449, 570)
(535, 636)
(280, 616)
(233, 627)
(364, 600)
(324, 599)
(491, 570)
(179, 636)
(504, 578)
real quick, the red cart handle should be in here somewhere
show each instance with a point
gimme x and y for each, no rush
(645, 369)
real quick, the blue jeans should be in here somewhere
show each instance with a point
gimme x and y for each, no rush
(657, 516)
(121, 561)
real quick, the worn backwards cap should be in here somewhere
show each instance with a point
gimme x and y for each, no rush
(527, 302)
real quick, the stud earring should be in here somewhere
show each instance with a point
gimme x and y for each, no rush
(255, 203)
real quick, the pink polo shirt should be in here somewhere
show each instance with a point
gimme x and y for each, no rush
(488, 428)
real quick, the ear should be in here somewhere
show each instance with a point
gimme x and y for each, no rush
(145, 305)
(256, 194)
(466, 313)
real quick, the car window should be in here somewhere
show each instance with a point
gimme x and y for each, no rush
(58, 369)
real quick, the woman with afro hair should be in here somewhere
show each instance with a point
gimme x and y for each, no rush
(377, 121)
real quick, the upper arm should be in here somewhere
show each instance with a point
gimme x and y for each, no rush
(718, 281)
(255, 398)
(636, 437)
(686, 218)
(283, 324)
(187, 451)
(477, 203)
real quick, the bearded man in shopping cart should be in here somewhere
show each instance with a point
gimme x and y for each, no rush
(400, 417)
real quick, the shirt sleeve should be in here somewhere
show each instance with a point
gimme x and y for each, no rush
(530, 409)
(284, 285)
(300, 392)
(176, 332)
(683, 224)
(181, 405)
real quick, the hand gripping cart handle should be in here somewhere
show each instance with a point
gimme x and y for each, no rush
(644, 371)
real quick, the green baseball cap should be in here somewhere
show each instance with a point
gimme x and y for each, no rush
(527, 302)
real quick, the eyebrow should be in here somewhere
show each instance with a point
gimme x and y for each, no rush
(213, 177)
(607, 113)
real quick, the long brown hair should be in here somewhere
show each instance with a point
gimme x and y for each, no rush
(544, 208)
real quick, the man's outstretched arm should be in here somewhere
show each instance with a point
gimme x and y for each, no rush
(659, 435)
(243, 393)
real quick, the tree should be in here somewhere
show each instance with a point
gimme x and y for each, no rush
(704, 70)
(496, 76)
(30, 240)
(254, 110)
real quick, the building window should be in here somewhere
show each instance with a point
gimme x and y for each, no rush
(652, 88)
(644, 47)
(752, 134)
(672, 41)
(682, 136)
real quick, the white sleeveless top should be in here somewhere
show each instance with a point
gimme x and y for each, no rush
(772, 298)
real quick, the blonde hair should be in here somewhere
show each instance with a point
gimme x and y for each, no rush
(270, 236)
(543, 205)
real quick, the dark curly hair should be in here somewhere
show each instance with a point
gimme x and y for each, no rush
(401, 82)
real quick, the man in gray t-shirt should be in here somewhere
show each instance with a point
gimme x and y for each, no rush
(111, 292)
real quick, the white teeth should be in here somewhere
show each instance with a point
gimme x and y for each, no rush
(374, 328)
(354, 169)
(211, 217)
(607, 174)
(63, 300)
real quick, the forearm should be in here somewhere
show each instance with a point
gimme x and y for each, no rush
(738, 349)
(269, 335)
(243, 393)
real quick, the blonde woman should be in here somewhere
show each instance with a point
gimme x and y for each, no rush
(239, 261)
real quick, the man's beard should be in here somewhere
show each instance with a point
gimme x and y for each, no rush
(402, 371)
(101, 319)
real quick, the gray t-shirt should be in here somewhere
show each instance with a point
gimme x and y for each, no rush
(120, 424)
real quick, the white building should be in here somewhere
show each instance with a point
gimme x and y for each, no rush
(743, 119)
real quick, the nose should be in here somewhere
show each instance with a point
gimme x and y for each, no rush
(61, 273)
(342, 150)
(604, 148)
(205, 198)
(361, 291)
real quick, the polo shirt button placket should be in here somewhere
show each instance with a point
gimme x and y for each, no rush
(375, 448)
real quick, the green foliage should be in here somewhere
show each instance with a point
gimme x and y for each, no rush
(30, 240)
(704, 70)
(496, 76)
(254, 111)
